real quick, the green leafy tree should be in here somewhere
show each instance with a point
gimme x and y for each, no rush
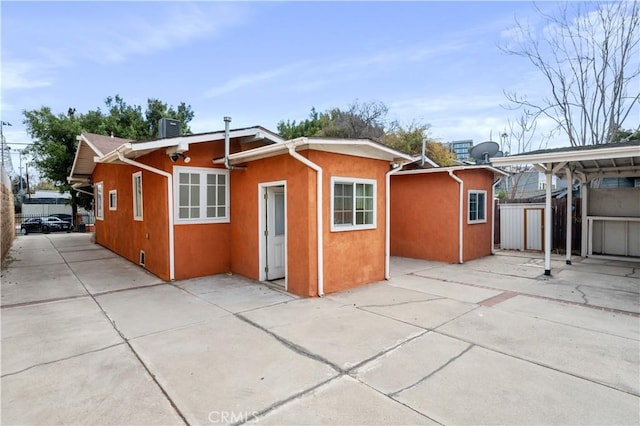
(410, 139)
(55, 143)
(359, 120)
(309, 127)
(367, 120)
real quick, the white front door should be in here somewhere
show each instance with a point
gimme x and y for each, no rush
(275, 232)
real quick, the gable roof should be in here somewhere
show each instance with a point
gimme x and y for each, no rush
(91, 145)
(356, 147)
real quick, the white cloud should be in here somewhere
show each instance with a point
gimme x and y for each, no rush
(245, 80)
(178, 25)
(24, 75)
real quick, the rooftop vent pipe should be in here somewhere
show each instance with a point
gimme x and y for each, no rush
(227, 120)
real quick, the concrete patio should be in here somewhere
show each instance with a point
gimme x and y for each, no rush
(90, 338)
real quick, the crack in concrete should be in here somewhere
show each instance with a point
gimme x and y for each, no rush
(388, 305)
(293, 346)
(280, 403)
(632, 273)
(584, 296)
(553, 299)
(397, 401)
(13, 373)
(398, 392)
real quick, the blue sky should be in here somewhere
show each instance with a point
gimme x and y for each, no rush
(434, 62)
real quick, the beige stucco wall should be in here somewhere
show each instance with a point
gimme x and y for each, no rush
(7, 230)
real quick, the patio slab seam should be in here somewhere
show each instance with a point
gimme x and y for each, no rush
(537, 296)
(126, 341)
(538, 363)
(198, 296)
(427, 329)
(42, 302)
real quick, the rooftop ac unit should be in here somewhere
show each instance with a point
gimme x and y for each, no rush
(168, 128)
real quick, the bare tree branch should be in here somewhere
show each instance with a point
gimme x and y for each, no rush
(589, 56)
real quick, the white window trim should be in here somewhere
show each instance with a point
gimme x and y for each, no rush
(341, 228)
(99, 210)
(113, 207)
(476, 191)
(133, 187)
(203, 195)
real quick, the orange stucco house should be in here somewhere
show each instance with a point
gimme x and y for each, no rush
(443, 213)
(311, 211)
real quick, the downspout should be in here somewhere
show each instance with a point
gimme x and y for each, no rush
(227, 120)
(387, 219)
(460, 218)
(493, 215)
(169, 177)
(319, 194)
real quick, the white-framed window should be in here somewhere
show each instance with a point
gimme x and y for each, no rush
(99, 201)
(113, 199)
(477, 206)
(202, 195)
(353, 203)
(137, 195)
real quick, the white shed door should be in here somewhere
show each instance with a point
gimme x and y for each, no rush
(533, 232)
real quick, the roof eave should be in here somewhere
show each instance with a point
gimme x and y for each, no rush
(596, 154)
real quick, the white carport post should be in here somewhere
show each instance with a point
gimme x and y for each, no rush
(569, 213)
(547, 220)
(584, 202)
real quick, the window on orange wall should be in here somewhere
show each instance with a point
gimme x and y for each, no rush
(113, 199)
(353, 204)
(477, 206)
(137, 196)
(202, 195)
(99, 201)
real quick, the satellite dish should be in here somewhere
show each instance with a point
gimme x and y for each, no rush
(484, 151)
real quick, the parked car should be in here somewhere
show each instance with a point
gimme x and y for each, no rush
(45, 225)
(57, 224)
(63, 216)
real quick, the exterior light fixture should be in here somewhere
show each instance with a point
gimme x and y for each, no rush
(174, 157)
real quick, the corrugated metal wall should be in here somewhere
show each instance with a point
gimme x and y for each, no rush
(514, 233)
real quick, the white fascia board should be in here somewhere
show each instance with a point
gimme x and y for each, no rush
(453, 169)
(360, 142)
(259, 153)
(183, 142)
(555, 157)
(417, 158)
(308, 143)
(82, 140)
(112, 157)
